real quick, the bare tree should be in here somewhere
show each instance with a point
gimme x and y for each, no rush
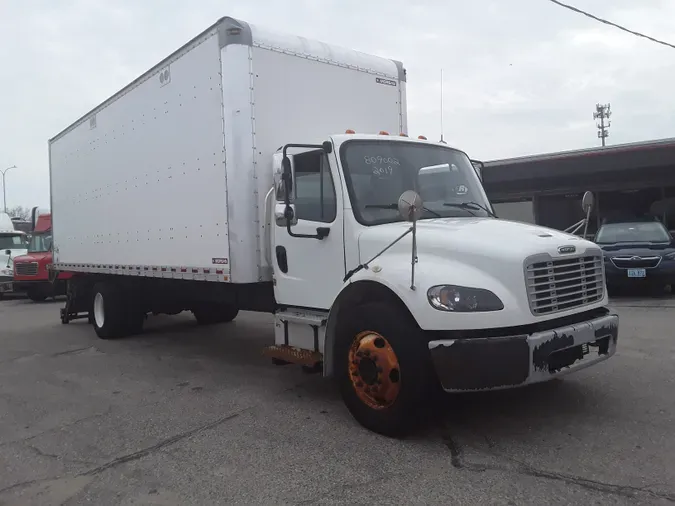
(20, 212)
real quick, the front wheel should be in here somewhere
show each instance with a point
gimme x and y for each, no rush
(37, 294)
(384, 369)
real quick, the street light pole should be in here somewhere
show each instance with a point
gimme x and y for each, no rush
(4, 192)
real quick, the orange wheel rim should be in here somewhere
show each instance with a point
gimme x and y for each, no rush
(374, 370)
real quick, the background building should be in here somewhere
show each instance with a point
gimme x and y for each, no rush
(628, 180)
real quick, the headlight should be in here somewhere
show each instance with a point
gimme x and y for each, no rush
(669, 256)
(462, 299)
(6, 272)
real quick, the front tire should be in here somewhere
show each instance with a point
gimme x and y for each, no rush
(384, 369)
(37, 294)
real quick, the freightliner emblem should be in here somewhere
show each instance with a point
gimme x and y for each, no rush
(566, 249)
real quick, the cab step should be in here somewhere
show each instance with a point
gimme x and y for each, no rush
(282, 354)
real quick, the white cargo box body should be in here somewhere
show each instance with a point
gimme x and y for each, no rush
(168, 177)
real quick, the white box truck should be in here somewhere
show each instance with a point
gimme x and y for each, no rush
(220, 181)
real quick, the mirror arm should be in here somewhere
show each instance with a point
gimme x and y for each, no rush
(575, 228)
(586, 220)
(366, 264)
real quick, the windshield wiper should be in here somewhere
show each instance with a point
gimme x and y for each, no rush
(470, 206)
(395, 207)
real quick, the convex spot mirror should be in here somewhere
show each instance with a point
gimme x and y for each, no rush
(587, 202)
(410, 205)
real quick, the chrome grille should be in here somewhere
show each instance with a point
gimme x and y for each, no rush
(26, 268)
(559, 284)
(631, 262)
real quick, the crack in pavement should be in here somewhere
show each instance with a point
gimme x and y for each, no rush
(54, 429)
(59, 457)
(49, 355)
(158, 446)
(72, 352)
(130, 457)
(174, 439)
(22, 484)
(521, 468)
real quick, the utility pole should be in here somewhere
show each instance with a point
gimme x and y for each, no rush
(602, 112)
(4, 192)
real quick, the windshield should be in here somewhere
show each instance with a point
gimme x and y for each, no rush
(613, 233)
(378, 172)
(40, 243)
(12, 241)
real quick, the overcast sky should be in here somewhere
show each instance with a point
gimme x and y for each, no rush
(521, 76)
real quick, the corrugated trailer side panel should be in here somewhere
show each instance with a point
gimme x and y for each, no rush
(140, 185)
(300, 91)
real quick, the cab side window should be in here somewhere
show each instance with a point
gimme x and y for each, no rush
(315, 198)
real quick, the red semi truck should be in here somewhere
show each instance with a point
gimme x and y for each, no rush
(32, 271)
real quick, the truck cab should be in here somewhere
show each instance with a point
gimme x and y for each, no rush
(13, 243)
(389, 264)
(32, 270)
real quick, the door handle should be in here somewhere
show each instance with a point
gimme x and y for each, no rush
(282, 259)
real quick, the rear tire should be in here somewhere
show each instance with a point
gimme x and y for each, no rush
(397, 400)
(112, 315)
(211, 314)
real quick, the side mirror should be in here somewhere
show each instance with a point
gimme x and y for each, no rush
(587, 202)
(285, 214)
(282, 167)
(478, 166)
(410, 206)
(287, 177)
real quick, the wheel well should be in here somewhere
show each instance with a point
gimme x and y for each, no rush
(355, 294)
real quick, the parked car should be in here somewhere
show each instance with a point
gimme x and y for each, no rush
(637, 253)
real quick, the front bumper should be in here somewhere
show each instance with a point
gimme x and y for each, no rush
(23, 284)
(6, 284)
(506, 362)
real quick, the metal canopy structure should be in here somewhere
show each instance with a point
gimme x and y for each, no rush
(624, 166)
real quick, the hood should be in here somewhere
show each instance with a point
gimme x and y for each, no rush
(638, 248)
(4, 259)
(34, 256)
(466, 239)
(6, 265)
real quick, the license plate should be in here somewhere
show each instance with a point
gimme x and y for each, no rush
(637, 273)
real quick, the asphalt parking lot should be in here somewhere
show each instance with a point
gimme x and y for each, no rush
(191, 415)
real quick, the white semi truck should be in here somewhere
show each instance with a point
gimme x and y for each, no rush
(216, 182)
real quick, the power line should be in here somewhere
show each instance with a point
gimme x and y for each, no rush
(605, 21)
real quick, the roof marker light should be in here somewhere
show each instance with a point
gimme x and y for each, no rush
(382, 132)
(350, 131)
(421, 137)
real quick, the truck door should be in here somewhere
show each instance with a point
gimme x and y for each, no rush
(309, 259)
